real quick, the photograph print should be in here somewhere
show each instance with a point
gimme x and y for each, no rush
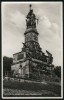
(32, 52)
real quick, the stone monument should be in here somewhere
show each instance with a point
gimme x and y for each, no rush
(31, 61)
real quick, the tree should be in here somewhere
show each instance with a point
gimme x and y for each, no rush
(7, 61)
(57, 71)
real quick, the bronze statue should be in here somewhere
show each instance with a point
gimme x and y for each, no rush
(31, 19)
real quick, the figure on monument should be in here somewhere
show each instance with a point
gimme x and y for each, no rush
(31, 19)
(49, 58)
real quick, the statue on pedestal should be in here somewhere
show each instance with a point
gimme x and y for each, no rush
(31, 19)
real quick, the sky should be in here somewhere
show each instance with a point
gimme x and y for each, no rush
(49, 27)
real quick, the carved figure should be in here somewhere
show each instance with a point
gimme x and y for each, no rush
(49, 58)
(31, 19)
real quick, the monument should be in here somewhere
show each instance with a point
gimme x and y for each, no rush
(31, 62)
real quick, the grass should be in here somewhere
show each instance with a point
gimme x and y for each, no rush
(50, 87)
(16, 92)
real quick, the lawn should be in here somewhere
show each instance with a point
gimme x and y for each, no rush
(30, 88)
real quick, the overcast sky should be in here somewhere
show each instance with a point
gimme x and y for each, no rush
(49, 27)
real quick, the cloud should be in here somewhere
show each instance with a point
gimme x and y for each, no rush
(54, 27)
(49, 37)
(46, 27)
(13, 33)
(46, 23)
(18, 19)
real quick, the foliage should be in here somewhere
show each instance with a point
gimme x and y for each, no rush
(57, 71)
(7, 61)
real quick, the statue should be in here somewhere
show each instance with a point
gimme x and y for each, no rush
(49, 58)
(31, 19)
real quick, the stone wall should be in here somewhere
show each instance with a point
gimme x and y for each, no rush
(21, 68)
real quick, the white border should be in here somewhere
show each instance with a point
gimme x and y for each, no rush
(62, 51)
(61, 54)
